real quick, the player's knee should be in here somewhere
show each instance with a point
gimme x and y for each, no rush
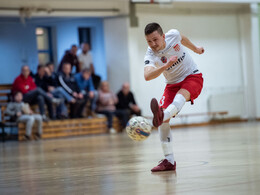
(185, 93)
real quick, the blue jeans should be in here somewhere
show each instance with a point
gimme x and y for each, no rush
(59, 92)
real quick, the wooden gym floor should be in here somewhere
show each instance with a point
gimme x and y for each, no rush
(221, 159)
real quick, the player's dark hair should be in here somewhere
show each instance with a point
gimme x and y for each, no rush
(151, 27)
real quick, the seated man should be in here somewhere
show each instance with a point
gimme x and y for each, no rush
(32, 94)
(106, 105)
(69, 84)
(126, 101)
(50, 72)
(45, 81)
(86, 86)
(21, 112)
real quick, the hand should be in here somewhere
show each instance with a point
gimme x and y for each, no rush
(73, 101)
(110, 102)
(18, 114)
(75, 94)
(50, 88)
(199, 50)
(91, 94)
(80, 96)
(171, 61)
(50, 95)
(135, 108)
(47, 71)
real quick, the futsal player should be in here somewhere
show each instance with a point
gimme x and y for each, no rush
(166, 55)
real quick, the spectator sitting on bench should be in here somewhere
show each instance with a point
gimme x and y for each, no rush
(33, 94)
(86, 86)
(50, 71)
(126, 101)
(106, 105)
(21, 112)
(44, 80)
(58, 91)
(69, 84)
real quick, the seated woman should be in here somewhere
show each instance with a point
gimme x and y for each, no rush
(21, 112)
(106, 105)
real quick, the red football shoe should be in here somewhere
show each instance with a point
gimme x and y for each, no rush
(157, 113)
(164, 165)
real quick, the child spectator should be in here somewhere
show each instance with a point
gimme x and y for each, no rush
(21, 112)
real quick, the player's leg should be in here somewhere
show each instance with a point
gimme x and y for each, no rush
(168, 164)
(189, 89)
(170, 92)
(175, 107)
(164, 129)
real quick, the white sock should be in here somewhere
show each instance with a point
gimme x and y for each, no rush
(166, 141)
(175, 107)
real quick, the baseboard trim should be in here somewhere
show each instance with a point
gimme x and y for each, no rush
(212, 122)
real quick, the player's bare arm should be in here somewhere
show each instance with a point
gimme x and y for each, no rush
(187, 43)
(151, 73)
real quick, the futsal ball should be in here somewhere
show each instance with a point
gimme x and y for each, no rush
(138, 128)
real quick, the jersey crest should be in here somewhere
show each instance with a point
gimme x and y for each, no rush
(163, 59)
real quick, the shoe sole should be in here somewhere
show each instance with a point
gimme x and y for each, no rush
(154, 171)
(155, 109)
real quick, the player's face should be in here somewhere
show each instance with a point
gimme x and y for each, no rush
(156, 41)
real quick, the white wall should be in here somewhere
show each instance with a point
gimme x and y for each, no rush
(249, 28)
(221, 64)
(116, 47)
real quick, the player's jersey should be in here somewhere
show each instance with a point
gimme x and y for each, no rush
(182, 68)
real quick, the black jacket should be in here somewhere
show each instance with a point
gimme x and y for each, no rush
(68, 83)
(70, 58)
(42, 82)
(125, 101)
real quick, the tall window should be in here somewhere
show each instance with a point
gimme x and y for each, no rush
(85, 35)
(43, 35)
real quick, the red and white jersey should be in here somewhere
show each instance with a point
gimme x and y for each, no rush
(185, 65)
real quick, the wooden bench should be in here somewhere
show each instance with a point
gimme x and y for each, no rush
(68, 128)
(117, 125)
(57, 128)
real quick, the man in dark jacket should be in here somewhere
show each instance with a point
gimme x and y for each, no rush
(71, 57)
(126, 100)
(69, 84)
(44, 80)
